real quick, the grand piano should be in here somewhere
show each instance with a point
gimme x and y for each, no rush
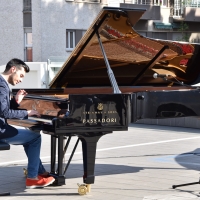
(113, 76)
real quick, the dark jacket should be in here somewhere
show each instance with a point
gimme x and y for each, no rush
(8, 107)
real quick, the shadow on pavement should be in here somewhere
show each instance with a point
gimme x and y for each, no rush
(13, 179)
(189, 160)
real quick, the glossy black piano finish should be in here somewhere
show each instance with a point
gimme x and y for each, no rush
(78, 113)
(93, 113)
(167, 104)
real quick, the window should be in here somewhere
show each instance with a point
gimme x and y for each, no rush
(27, 15)
(28, 46)
(27, 20)
(72, 38)
(86, 1)
(27, 5)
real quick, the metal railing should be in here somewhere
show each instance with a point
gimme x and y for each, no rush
(85, 1)
(176, 9)
(148, 2)
(143, 2)
(192, 3)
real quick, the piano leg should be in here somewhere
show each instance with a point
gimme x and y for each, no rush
(60, 178)
(53, 153)
(89, 145)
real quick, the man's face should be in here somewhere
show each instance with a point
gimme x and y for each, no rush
(17, 75)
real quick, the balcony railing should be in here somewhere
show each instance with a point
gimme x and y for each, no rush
(148, 2)
(177, 10)
(144, 2)
(85, 1)
(185, 3)
(192, 3)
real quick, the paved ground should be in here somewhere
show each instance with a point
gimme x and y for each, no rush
(142, 163)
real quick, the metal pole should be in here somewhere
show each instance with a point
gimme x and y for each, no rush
(109, 70)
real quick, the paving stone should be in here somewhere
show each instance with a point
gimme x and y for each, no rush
(141, 163)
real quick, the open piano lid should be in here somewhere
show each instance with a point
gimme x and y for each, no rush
(133, 58)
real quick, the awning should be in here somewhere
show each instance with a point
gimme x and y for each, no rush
(169, 26)
(176, 25)
(161, 25)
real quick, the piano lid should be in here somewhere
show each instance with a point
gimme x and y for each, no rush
(133, 58)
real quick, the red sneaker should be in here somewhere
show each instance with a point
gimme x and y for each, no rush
(40, 183)
(44, 175)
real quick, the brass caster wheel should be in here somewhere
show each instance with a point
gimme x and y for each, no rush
(25, 172)
(88, 188)
(82, 189)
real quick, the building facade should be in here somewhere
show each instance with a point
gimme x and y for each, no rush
(36, 31)
(11, 31)
(168, 19)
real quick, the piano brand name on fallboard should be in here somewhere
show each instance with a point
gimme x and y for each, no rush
(103, 120)
(100, 112)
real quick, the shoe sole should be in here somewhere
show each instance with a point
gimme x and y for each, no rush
(39, 186)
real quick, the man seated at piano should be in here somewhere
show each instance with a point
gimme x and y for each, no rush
(14, 73)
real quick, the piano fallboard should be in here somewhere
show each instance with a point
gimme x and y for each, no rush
(81, 113)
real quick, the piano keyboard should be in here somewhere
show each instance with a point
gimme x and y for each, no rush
(40, 119)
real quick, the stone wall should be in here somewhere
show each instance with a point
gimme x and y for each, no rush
(11, 31)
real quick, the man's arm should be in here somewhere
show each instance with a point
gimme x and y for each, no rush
(5, 110)
(15, 101)
(20, 95)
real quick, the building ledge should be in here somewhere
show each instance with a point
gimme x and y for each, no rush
(178, 18)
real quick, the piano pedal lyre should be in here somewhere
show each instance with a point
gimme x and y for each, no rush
(84, 188)
(25, 172)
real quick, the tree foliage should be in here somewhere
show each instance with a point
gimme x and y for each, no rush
(184, 34)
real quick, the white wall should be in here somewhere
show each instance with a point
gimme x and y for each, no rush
(51, 18)
(165, 13)
(11, 30)
(36, 78)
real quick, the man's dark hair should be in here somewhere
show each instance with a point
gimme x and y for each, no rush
(17, 63)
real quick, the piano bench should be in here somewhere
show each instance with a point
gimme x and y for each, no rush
(4, 146)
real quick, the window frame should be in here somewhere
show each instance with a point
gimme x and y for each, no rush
(26, 46)
(68, 39)
(76, 37)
